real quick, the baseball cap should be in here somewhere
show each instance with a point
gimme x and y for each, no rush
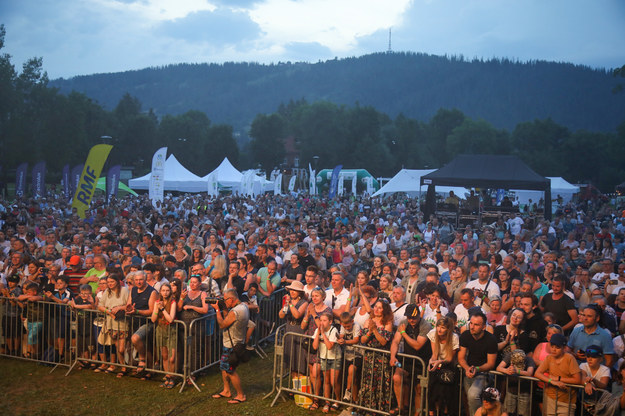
(412, 311)
(594, 351)
(558, 340)
(75, 260)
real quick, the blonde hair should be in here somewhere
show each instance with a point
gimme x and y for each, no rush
(448, 345)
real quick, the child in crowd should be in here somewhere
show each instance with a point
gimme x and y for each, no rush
(325, 339)
(594, 374)
(82, 303)
(517, 400)
(491, 403)
(166, 337)
(33, 314)
(62, 315)
(348, 336)
(12, 327)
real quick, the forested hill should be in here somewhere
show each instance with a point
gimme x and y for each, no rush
(501, 92)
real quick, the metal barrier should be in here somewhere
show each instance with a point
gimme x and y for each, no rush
(268, 319)
(203, 345)
(130, 342)
(362, 380)
(37, 331)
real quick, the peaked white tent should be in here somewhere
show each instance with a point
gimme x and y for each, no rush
(559, 186)
(229, 177)
(408, 181)
(177, 178)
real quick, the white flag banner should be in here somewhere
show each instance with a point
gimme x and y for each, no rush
(354, 183)
(292, 183)
(312, 181)
(156, 187)
(277, 185)
(213, 184)
(243, 185)
(251, 180)
(340, 185)
(369, 182)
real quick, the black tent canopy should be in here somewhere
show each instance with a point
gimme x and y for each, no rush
(490, 171)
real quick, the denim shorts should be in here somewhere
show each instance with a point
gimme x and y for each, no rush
(327, 364)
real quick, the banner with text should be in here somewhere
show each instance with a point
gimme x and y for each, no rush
(65, 180)
(20, 179)
(112, 180)
(157, 177)
(334, 181)
(39, 180)
(74, 178)
(89, 177)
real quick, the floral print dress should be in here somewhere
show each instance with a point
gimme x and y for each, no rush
(375, 382)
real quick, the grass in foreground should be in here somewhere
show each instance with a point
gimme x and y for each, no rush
(30, 389)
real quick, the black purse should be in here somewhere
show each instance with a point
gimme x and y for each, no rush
(446, 374)
(240, 353)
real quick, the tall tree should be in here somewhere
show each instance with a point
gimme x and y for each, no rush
(267, 145)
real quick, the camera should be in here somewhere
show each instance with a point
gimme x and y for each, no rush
(217, 301)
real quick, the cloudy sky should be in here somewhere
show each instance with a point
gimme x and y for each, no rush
(77, 37)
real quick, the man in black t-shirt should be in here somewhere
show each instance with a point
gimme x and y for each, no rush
(559, 304)
(477, 356)
(234, 280)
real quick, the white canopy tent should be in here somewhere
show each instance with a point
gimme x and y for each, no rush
(408, 181)
(177, 178)
(229, 177)
(559, 187)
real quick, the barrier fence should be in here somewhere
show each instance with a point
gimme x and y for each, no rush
(60, 335)
(367, 384)
(363, 379)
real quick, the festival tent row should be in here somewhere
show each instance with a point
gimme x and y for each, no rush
(409, 181)
(180, 179)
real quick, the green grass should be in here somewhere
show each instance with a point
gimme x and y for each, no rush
(30, 389)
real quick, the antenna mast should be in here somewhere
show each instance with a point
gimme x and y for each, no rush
(389, 40)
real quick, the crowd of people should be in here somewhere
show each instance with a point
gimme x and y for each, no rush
(522, 296)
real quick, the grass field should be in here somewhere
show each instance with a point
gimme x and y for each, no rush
(30, 389)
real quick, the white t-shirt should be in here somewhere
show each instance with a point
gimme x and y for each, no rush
(603, 371)
(398, 313)
(339, 301)
(324, 352)
(431, 316)
(493, 290)
(455, 344)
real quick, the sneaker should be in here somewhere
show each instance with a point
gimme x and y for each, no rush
(249, 347)
(347, 397)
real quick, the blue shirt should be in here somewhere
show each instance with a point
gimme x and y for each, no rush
(580, 339)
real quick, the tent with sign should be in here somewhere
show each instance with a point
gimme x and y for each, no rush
(491, 172)
(408, 181)
(229, 177)
(177, 178)
(559, 188)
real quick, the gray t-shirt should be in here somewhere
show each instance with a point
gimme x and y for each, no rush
(238, 329)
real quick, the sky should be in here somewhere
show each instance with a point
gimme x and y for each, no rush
(81, 37)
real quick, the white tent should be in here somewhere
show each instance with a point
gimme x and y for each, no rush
(230, 178)
(177, 178)
(227, 175)
(559, 187)
(408, 181)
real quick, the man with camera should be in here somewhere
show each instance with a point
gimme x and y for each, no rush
(232, 318)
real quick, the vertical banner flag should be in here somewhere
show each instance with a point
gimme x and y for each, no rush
(213, 184)
(354, 183)
(292, 183)
(20, 179)
(39, 180)
(341, 182)
(74, 178)
(500, 195)
(277, 185)
(312, 181)
(334, 180)
(89, 177)
(156, 190)
(112, 180)
(369, 182)
(65, 180)
(250, 183)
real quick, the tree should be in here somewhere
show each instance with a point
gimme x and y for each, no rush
(539, 143)
(267, 145)
(477, 137)
(437, 131)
